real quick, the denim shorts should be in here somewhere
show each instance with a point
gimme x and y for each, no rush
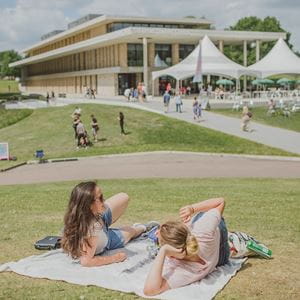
(224, 246)
(115, 237)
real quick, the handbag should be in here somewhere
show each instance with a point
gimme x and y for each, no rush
(48, 243)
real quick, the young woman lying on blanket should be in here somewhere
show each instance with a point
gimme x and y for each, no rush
(190, 248)
(86, 226)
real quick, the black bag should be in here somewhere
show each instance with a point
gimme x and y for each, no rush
(48, 243)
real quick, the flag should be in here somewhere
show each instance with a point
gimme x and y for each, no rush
(198, 72)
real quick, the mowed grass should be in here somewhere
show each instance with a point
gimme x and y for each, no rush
(10, 117)
(51, 129)
(266, 208)
(4, 86)
(260, 115)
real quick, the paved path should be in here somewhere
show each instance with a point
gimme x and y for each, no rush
(155, 165)
(271, 136)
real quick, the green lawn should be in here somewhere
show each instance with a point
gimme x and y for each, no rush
(10, 117)
(51, 129)
(4, 86)
(266, 208)
(260, 115)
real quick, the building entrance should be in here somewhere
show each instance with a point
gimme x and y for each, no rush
(126, 80)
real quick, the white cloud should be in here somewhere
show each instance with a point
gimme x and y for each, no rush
(29, 19)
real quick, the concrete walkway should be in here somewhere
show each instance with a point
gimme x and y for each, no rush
(155, 165)
(271, 136)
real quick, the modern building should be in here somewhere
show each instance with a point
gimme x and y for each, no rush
(111, 53)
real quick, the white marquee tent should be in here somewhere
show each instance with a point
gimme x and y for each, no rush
(280, 60)
(213, 62)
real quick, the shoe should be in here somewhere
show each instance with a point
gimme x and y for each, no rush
(148, 226)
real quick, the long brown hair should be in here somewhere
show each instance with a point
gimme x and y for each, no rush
(176, 234)
(78, 218)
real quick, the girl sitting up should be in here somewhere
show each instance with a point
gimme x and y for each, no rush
(87, 231)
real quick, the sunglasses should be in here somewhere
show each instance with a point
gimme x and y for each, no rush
(101, 198)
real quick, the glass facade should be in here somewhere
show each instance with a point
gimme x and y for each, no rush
(163, 55)
(185, 50)
(121, 25)
(135, 55)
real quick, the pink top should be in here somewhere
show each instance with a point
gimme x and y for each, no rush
(181, 272)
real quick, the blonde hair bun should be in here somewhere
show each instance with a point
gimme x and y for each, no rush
(192, 246)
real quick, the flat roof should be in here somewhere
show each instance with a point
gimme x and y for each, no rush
(106, 19)
(157, 35)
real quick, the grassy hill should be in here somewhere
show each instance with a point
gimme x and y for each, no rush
(51, 129)
(4, 86)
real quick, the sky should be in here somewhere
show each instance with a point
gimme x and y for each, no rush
(23, 22)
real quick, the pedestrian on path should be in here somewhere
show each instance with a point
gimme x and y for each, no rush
(166, 99)
(47, 98)
(245, 121)
(195, 108)
(178, 102)
(121, 119)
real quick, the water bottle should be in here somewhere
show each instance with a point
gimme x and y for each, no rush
(259, 249)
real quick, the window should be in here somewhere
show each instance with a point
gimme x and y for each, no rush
(134, 55)
(163, 55)
(185, 50)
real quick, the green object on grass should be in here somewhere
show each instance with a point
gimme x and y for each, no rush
(259, 249)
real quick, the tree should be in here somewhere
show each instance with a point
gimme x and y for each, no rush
(270, 24)
(7, 57)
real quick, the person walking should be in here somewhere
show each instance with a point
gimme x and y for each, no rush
(195, 108)
(166, 99)
(81, 135)
(95, 128)
(47, 98)
(76, 120)
(178, 102)
(127, 94)
(121, 119)
(93, 93)
(245, 121)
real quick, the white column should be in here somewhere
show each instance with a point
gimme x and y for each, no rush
(145, 63)
(208, 78)
(221, 46)
(257, 52)
(245, 62)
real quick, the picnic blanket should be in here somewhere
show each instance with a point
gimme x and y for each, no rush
(128, 276)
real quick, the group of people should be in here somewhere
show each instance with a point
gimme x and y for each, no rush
(48, 97)
(90, 93)
(136, 93)
(81, 134)
(189, 248)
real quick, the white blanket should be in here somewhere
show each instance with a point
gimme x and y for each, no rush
(128, 276)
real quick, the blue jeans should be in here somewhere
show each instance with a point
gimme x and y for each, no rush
(224, 247)
(115, 237)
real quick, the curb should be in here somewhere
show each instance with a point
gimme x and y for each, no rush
(52, 160)
(36, 162)
(13, 167)
(249, 156)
